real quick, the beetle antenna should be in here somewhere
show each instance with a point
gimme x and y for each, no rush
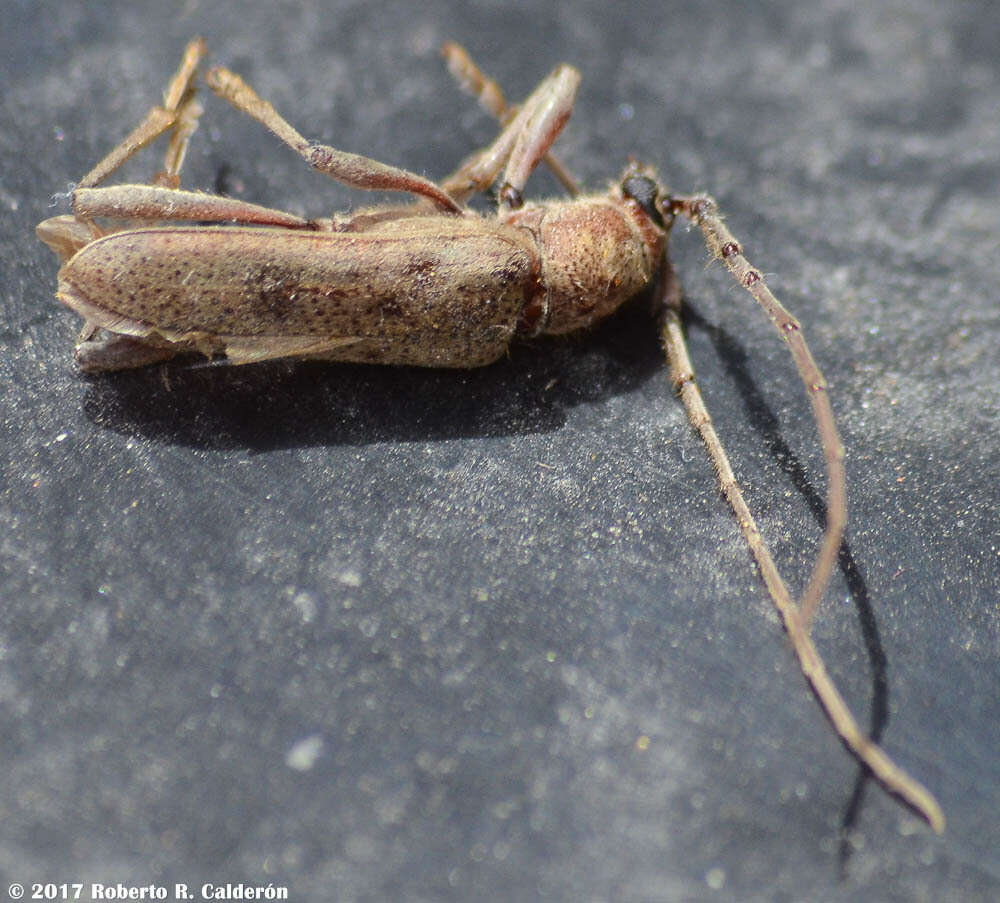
(796, 618)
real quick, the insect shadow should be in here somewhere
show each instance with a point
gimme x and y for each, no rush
(285, 404)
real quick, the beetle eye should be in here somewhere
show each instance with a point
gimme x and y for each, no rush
(644, 191)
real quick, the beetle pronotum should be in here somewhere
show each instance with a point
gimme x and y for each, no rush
(428, 283)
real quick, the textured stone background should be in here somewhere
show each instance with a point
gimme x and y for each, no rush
(383, 634)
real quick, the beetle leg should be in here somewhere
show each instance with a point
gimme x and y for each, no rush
(184, 128)
(118, 352)
(179, 110)
(351, 169)
(523, 142)
(65, 234)
(547, 116)
(154, 202)
(472, 80)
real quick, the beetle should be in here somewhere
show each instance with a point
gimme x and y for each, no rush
(155, 271)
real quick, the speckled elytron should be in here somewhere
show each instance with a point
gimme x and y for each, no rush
(430, 283)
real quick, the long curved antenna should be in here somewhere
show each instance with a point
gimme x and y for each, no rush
(795, 617)
(703, 212)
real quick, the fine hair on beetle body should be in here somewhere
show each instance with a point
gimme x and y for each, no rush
(155, 271)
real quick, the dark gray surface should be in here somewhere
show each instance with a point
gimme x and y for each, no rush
(479, 590)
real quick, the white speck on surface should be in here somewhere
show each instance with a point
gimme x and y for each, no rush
(303, 755)
(715, 878)
(305, 602)
(349, 578)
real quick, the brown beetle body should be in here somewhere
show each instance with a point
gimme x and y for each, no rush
(433, 290)
(418, 291)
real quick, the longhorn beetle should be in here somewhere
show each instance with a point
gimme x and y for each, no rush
(428, 283)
